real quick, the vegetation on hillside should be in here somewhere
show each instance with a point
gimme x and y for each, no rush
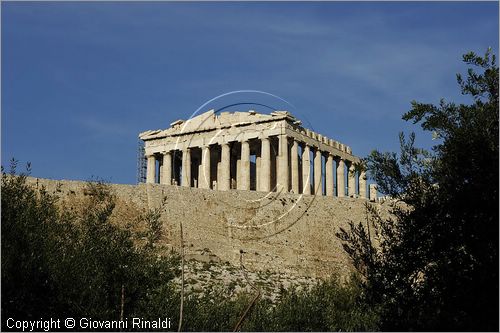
(59, 262)
(56, 262)
(437, 264)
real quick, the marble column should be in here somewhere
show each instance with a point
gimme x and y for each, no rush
(151, 170)
(204, 175)
(159, 171)
(329, 175)
(257, 173)
(362, 184)
(166, 176)
(341, 178)
(295, 167)
(238, 172)
(318, 188)
(223, 180)
(265, 165)
(306, 170)
(244, 182)
(283, 163)
(373, 192)
(352, 180)
(186, 167)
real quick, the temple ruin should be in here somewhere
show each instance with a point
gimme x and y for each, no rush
(252, 152)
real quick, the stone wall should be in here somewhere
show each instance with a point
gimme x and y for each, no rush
(286, 233)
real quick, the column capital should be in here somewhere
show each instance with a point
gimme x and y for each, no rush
(264, 137)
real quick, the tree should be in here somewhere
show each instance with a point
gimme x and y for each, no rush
(58, 262)
(436, 264)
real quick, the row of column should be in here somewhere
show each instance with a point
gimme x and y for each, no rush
(290, 169)
(318, 174)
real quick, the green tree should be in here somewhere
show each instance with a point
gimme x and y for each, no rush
(57, 262)
(436, 263)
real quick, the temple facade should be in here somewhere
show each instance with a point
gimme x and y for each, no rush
(252, 152)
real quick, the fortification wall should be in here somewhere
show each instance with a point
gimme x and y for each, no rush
(286, 233)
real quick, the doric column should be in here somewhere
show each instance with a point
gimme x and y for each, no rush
(352, 180)
(362, 184)
(238, 172)
(186, 167)
(219, 168)
(295, 167)
(166, 176)
(225, 169)
(257, 173)
(306, 170)
(317, 172)
(244, 183)
(340, 178)
(373, 192)
(265, 165)
(283, 163)
(204, 175)
(329, 175)
(151, 170)
(159, 171)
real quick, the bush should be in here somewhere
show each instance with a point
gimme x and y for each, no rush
(59, 263)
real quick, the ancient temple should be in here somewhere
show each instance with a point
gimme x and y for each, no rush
(252, 152)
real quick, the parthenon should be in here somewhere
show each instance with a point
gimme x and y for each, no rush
(253, 152)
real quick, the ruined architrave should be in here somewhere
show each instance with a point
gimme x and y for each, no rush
(251, 151)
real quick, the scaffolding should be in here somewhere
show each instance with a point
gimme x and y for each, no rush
(141, 162)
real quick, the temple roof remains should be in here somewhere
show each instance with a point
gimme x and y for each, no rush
(212, 121)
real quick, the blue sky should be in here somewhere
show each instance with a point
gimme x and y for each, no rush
(81, 80)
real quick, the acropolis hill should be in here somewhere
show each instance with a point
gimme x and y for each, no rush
(246, 182)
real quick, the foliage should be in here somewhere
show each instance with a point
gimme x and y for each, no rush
(329, 306)
(55, 261)
(436, 264)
